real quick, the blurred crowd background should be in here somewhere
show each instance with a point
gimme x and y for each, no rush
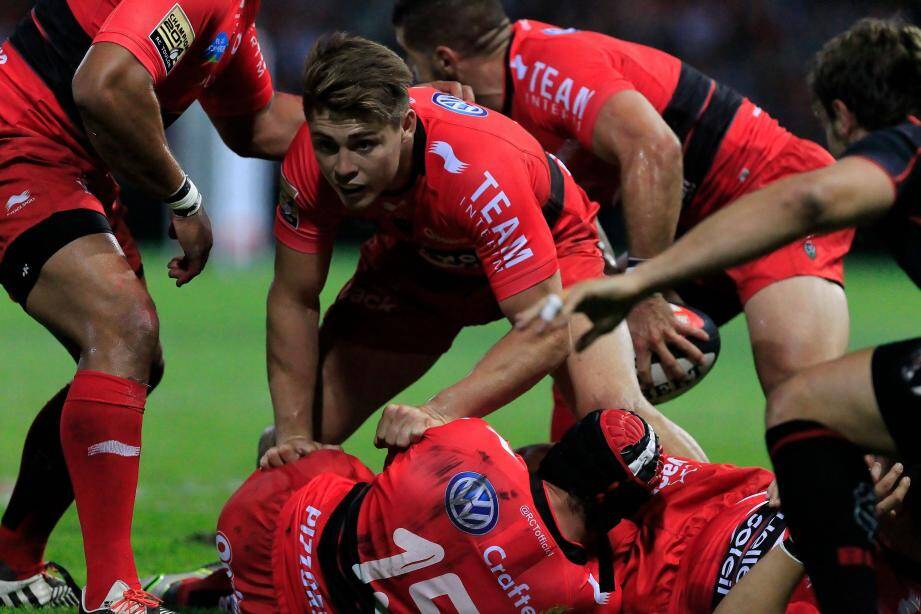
(760, 47)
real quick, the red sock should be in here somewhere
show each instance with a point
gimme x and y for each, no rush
(562, 417)
(101, 437)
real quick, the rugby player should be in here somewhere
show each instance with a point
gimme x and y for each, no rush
(867, 86)
(86, 88)
(475, 222)
(675, 145)
(682, 546)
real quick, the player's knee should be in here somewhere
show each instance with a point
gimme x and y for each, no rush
(131, 331)
(790, 400)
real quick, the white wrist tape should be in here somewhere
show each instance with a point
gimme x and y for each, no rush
(551, 308)
(187, 200)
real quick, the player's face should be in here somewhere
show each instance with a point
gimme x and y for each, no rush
(359, 160)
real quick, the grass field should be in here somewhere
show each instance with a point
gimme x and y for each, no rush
(202, 423)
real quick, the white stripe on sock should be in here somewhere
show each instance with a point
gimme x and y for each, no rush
(113, 447)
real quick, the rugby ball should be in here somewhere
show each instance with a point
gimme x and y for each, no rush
(663, 390)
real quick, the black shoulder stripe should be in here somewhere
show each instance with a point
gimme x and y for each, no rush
(894, 149)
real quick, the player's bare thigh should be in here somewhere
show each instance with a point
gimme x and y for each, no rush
(87, 293)
(358, 380)
(794, 324)
(838, 394)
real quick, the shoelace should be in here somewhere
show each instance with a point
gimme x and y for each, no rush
(136, 598)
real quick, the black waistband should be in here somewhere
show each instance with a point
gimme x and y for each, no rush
(338, 553)
(553, 206)
(699, 113)
(56, 55)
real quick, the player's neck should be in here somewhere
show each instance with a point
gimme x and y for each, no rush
(405, 171)
(569, 516)
(486, 75)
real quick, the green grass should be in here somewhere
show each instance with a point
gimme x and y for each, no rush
(201, 425)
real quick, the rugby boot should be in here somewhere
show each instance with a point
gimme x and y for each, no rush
(43, 590)
(123, 599)
(202, 588)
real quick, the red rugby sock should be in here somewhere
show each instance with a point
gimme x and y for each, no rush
(562, 418)
(101, 437)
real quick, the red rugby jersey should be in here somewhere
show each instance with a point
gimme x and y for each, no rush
(480, 202)
(559, 79)
(452, 522)
(203, 50)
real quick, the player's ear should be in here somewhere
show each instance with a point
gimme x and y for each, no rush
(446, 61)
(843, 120)
(408, 125)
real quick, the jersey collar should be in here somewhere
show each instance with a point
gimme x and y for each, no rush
(574, 552)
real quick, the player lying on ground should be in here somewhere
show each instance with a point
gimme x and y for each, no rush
(673, 146)
(455, 521)
(475, 222)
(680, 549)
(867, 84)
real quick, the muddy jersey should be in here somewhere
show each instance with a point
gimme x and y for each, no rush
(454, 523)
(485, 199)
(896, 150)
(204, 50)
(558, 79)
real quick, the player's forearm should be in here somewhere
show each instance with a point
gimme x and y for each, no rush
(292, 350)
(277, 126)
(766, 589)
(511, 367)
(122, 118)
(651, 180)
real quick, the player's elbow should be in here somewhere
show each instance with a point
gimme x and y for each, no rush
(665, 150)
(809, 204)
(95, 91)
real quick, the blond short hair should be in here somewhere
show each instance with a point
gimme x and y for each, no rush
(350, 77)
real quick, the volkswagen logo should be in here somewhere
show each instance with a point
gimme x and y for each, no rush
(456, 105)
(471, 503)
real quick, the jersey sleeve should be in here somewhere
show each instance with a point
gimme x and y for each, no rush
(501, 214)
(157, 32)
(308, 212)
(244, 87)
(893, 151)
(575, 85)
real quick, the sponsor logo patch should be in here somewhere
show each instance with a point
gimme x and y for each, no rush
(173, 37)
(810, 249)
(471, 503)
(451, 162)
(456, 105)
(217, 48)
(3, 57)
(17, 202)
(287, 205)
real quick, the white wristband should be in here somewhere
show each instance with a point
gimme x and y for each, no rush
(551, 308)
(187, 200)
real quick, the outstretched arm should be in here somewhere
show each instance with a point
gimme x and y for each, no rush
(844, 194)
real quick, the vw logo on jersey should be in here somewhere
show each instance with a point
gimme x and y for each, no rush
(559, 31)
(471, 503)
(456, 105)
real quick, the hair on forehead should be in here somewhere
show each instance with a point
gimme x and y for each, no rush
(470, 27)
(351, 77)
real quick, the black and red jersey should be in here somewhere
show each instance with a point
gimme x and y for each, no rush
(897, 150)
